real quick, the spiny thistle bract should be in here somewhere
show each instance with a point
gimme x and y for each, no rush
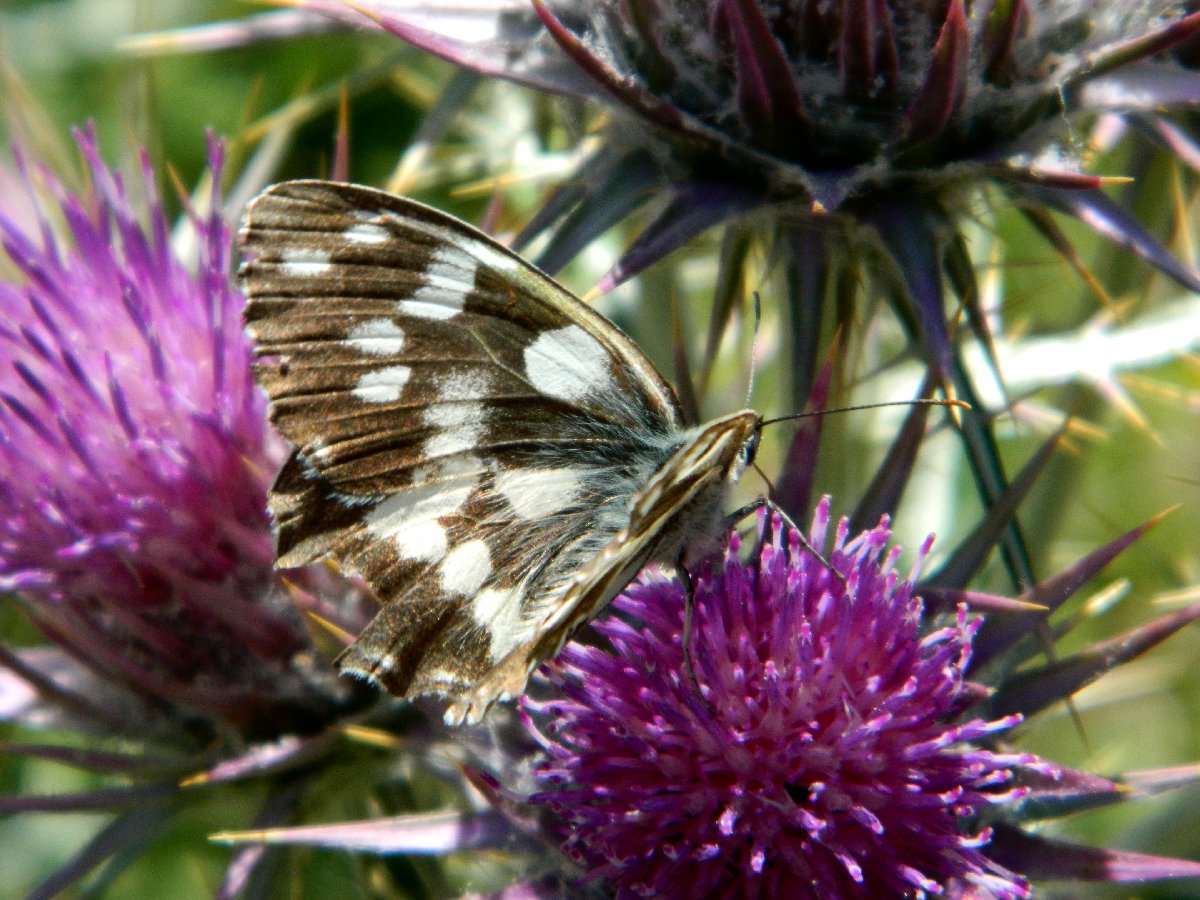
(854, 140)
(883, 110)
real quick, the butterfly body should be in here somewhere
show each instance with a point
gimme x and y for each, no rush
(491, 455)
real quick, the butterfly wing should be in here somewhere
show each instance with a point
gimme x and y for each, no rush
(678, 504)
(468, 435)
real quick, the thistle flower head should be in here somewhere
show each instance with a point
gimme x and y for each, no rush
(820, 758)
(137, 455)
(822, 103)
(823, 737)
(830, 101)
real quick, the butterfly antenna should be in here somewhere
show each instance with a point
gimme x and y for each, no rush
(804, 541)
(920, 401)
(754, 346)
(770, 503)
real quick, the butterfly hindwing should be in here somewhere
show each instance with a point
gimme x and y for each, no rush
(678, 505)
(468, 435)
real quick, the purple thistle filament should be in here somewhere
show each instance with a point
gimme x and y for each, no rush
(136, 451)
(822, 759)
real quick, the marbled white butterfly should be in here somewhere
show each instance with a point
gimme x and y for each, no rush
(493, 456)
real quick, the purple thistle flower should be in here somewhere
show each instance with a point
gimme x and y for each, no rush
(838, 742)
(137, 455)
(742, 103)
(831, 750)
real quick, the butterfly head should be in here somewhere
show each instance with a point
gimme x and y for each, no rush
(725, 446)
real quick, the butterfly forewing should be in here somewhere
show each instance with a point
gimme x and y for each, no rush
(468, 435)
(378, 308)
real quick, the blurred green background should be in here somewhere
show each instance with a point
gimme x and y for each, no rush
(62, 64)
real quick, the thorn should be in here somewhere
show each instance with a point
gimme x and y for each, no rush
(1154, 520)
(177, 183)
(1021, 606)
(263, 836)
(349, 4)
(1085, 430)
(485, 186)
(340, 634)
(340, 170)
(373, 737)
(954, 404)
(1178, 598)
(412, 160)
(1115, 394)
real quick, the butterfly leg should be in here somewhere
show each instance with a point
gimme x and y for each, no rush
(689, 616)
(755, 505)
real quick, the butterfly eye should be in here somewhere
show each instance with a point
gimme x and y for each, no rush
(747, 452)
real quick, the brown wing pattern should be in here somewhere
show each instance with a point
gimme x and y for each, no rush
(467, 433)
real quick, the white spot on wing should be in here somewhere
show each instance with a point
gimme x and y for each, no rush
(367, 233)
(409, 518)
(446, 443)
(460, 426)
(378, 337)
(480, 251)
(382, 385)
(499, 612)
(454, 415)
(466, 568)
(490, 603)
(491, 257)
(567, 363)
(421, 539)
(471, 384)
(448, 278)
(534, 493)
(304, 262)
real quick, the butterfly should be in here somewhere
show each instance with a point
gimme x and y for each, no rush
(494, 457)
